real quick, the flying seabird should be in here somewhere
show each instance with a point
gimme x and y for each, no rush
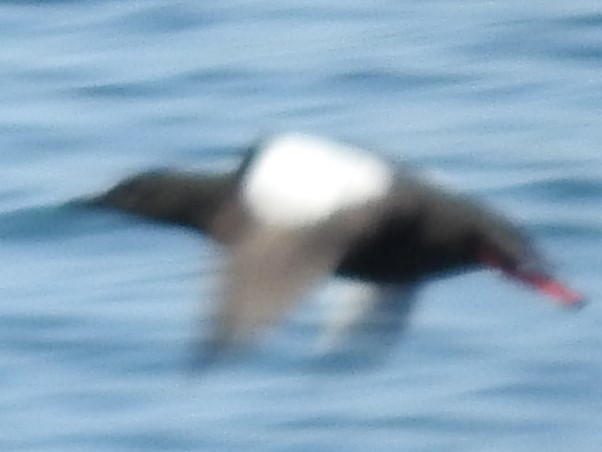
(299, 209)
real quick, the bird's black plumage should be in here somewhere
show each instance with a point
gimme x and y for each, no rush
(413, 232)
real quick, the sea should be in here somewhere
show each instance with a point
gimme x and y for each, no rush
(100, 313)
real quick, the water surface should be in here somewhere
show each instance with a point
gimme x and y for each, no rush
(99, 313)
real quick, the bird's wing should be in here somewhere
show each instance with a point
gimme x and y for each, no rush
(366, 320)
(268, 271)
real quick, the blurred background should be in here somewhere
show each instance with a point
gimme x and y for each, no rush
(99, 313)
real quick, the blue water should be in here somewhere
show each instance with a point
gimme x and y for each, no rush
(99, 313)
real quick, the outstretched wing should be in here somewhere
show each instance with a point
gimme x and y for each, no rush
(267, 273)
(271, 268)
(307, 200)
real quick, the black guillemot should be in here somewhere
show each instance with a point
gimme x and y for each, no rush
(300, 208)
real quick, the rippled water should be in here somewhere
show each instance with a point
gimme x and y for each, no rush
(98, 313)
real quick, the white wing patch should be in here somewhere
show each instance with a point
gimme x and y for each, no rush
(299, 180)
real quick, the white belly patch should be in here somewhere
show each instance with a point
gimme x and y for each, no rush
(298, 180)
